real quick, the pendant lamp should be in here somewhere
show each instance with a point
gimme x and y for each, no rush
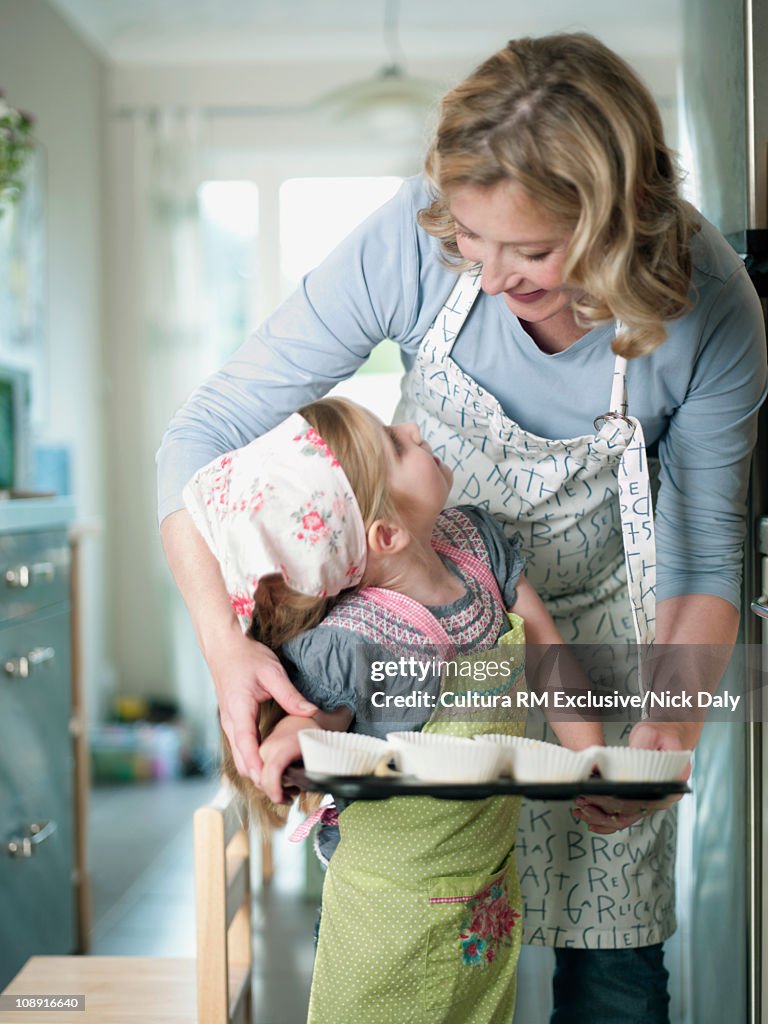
(391, 102)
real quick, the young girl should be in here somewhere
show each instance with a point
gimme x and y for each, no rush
(333, 542)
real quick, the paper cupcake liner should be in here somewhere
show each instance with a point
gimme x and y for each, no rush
(433, 757)
(548, 762)
(630, 764)
(507, 745)
(326, 752)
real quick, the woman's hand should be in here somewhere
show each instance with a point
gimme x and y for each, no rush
(245, 674)
(606, 814)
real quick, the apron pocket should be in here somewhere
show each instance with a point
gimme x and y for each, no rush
(474, 939)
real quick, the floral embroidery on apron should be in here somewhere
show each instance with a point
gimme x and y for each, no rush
(488, 924)
(584, 511)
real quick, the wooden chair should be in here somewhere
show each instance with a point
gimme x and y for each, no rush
(223, 912)
(161, 990)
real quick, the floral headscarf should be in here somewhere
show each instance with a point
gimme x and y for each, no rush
(281, 504)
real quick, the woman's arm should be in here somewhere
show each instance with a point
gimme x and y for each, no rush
(706, 450)
(694, 639)
(244, 672)
(541, 634)
(705, 457)
(694, 635)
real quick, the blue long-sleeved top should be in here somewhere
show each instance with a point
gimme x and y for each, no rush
(697, 395)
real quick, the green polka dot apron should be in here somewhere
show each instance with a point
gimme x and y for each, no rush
(421, 908)
(583, 509)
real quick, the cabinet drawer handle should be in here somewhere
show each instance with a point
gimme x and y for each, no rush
(25, 575)
(36, 833)
(22, 667)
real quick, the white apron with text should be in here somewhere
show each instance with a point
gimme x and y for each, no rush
(583, 508)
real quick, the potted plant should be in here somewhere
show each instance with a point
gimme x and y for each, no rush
(16, 146)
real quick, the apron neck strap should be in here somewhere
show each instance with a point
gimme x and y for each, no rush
(421, 617)
(440, 337)
(619, 403)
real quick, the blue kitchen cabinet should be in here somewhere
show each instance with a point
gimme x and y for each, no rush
(37, 841)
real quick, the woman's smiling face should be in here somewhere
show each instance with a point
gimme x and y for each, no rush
(521, 247)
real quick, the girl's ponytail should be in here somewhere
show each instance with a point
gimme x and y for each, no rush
(279, 615)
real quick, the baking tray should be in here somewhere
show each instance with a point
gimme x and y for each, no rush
(375, 787)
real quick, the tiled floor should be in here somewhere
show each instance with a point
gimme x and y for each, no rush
(141, 862)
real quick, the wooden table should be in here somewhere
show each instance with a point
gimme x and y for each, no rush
(117, 990)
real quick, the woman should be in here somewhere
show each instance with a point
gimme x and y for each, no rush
(550, 181)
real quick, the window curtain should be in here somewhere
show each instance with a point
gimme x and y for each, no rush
(159, 353)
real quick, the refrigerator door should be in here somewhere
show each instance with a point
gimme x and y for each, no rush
(712, 121)
(718, 963)
(756, 575)
(757, 752)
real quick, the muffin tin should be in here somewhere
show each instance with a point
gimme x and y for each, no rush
(375, 787)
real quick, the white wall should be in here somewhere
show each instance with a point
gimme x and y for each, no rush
(47, 69)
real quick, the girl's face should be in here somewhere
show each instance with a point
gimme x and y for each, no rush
(521, 247)
(416, 475)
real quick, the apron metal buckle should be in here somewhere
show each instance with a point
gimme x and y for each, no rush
(599, 420)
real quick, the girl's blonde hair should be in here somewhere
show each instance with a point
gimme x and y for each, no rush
(280, 613)
(569, 121)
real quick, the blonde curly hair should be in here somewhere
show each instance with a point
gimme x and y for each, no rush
(569, 121)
